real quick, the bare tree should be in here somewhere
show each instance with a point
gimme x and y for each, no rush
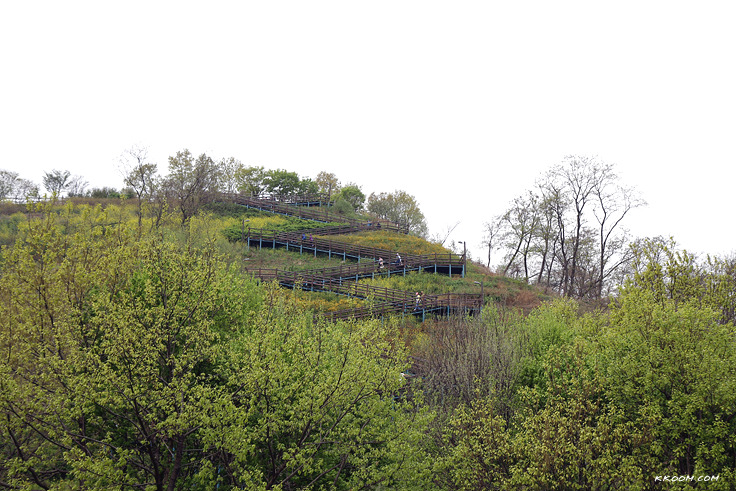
(441, 237)
(76, 186)
(613, 203)
(7, 183)
(24, 190)
(230, 168)
(191, 183)
(492, 230)
(139, 175)
(579, 176)
(520, 222)
(548, 234)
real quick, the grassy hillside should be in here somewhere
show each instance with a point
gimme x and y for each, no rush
(506, 291)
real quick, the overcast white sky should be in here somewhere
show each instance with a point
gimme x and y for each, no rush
(461, 104)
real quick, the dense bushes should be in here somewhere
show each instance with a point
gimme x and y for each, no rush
(603, 401)
(142, 362)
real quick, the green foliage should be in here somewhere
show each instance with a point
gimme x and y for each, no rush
(144, 362)
(269, 222)
(480, 451)
(342, 207)
(282, 182)
(353, 195)
(605, 401)
(571, 437)
(676, 275)
(9, 227)
(110, 346)
(249, 180)
(322, 408)
(399, 207)
(104, 192)
(406, 244)
(682, 363)
(551, 325)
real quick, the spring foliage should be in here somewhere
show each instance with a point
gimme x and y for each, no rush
(147, 360)
(148, 363)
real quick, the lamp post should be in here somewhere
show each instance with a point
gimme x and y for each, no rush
(482, 296)
(242, 233)
(465, 258)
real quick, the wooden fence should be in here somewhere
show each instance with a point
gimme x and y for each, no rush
(288, 207)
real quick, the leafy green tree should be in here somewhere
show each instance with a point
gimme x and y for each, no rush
(326, 406)
(8, 181)
(659, 266)
(399, 207)
(249, 180)
(139, 363)
(479, 454)
(677, 359)
(12, 186)
(282, 182)
(327, 183)
(56, 181)
(353, 195)
(109, 362)
(229, 170)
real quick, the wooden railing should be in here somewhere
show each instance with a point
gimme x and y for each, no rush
(343, 279)
(299, 199)
(310, 244)
(272, 205)
(353, 229)
(385, 300)
(443, 304)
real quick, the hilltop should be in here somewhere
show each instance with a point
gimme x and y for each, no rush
(368, 234)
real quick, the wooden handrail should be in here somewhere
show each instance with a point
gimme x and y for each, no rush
(388, 299)
(335, 279)
(271, 204)
(339, 247)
